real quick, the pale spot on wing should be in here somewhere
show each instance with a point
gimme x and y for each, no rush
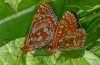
(62, 26)
(62, 21)
(33, 31)
(48, 32)
(45, 29)
(67, 44)
(28, 40)
(44, 25)
(60, 40)
(39, 38)
(34, 38)
(60, 32)
(63, 16)
(37, 15)
(41, 6)
(31, 38)
(38, 10)
(72, 15)
(67, 18)
(39, 33)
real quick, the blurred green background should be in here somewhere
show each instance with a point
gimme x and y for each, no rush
(16, 17)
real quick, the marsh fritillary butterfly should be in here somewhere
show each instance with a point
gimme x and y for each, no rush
(42, 29)
(69, 34)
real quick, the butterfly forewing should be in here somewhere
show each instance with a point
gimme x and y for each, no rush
(42, 28)
(43, 8)
(65, 27)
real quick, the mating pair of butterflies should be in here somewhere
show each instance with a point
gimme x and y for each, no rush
(62, 35)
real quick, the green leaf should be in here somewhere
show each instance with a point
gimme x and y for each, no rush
(15, 25)
(97, 52)
(84, 4)
(10, 55)
(13, 3)
(91, 58)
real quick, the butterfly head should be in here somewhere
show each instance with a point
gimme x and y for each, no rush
(49, 48)
(52, 49)
(23, 49)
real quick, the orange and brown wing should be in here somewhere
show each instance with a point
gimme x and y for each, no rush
(71, 35)
(42, 9)
(78, 37)
(42, 28)
(66, 26)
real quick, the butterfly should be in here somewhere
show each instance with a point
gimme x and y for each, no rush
(69, 34)
(42, 29)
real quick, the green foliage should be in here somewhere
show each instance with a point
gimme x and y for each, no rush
(13, 3)
(15, 20)
(10, 55)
